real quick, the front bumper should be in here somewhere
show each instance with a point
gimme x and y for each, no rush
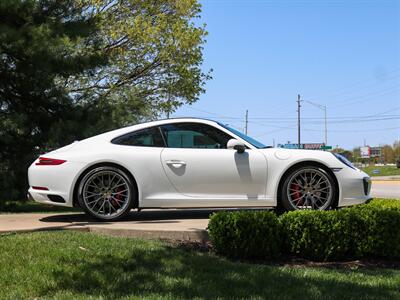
(354, 185)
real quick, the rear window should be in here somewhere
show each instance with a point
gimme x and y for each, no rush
(148, 137)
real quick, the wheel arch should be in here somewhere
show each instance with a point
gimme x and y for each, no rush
(75, 201)
(303, 164)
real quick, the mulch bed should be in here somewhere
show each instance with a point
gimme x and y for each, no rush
(372, 263)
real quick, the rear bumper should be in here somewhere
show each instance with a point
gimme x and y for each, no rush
(48, 197)
(58, 181)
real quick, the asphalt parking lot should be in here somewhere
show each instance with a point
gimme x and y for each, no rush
(385, 189)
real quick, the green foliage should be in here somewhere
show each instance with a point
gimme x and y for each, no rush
(371, 230)
(319, 235)
(246, 234)
(385, 203)
(72, 69)
(154, 54)
(348, 233)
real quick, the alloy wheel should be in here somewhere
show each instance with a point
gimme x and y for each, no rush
(106, 194)
(310, 189)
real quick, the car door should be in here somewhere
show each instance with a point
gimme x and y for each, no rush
(198, 164)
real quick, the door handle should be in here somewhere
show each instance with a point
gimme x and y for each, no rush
(176, 163)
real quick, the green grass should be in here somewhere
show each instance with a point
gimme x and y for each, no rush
(73, 265)
(384, 170)
(31, 207)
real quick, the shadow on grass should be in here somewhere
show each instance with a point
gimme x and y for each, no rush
(31, 207)
(174, 273)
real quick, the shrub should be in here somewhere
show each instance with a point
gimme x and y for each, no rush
(384, 203)
(371, 230)
(246, 234)
(378, 232)
(365, 231)
(318, 235)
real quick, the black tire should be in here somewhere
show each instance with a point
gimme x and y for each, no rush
(105, 195)
(302, 191)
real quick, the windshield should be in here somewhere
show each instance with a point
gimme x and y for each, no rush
(248, 139)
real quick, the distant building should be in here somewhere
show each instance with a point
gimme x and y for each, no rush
(376, 151)
(370, 152)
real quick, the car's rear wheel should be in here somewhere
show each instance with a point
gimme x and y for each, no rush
(308, 187)
(106, 193)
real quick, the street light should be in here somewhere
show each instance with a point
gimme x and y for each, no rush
(322, 107)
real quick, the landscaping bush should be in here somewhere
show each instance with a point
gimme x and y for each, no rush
(317, 235)
(385, 203)
(246, 234)
(365, 231)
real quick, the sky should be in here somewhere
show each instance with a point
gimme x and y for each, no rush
(344, 55)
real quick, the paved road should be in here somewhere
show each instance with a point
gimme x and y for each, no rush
(385, 189)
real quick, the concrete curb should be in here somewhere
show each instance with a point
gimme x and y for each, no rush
(165, 225)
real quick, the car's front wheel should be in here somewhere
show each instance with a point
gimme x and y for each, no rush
(308, 187)
(106, 193)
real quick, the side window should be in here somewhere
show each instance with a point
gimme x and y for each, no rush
(194, 135)
(149, 137)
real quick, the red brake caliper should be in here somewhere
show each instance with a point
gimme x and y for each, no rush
(118, 196)
(296, 194)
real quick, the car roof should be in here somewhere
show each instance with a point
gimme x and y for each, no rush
(168, 121)
(117, 132)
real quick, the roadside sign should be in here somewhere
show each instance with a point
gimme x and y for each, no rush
(326, 147)
(365, 152)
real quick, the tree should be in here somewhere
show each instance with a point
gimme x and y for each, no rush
(388, 155)
(154, 53)
(70, 69)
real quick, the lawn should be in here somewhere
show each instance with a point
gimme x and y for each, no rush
(383, 170)
(31, 207)
(73, 265)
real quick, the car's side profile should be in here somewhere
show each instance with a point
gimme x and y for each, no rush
(190, 163)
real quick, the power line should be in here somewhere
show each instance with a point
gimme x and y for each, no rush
(309, 120)
(333, 93)
(391, 90)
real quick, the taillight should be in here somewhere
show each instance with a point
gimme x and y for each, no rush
(40, 188)
(44, 161)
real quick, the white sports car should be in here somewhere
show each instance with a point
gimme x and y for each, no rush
(190, 163)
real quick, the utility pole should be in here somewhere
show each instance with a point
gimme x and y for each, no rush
(326, 127)
(247, 121)
(298, 121)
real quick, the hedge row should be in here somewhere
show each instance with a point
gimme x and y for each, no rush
(371, 230)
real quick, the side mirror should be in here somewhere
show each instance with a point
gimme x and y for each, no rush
(237, 145)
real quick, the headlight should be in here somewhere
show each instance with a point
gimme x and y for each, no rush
(344, 160)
